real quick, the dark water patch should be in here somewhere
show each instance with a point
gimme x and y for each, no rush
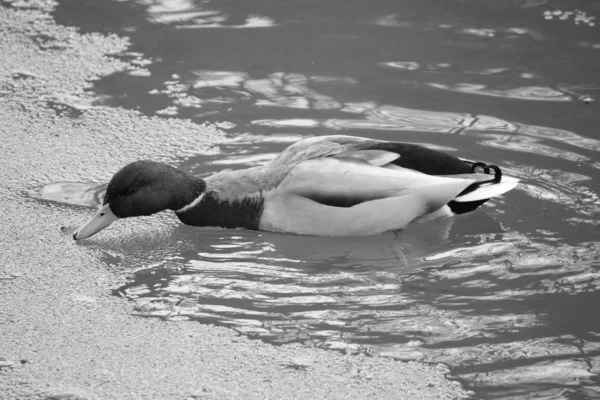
(65, 110)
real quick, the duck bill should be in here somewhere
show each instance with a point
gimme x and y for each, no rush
(103, 218)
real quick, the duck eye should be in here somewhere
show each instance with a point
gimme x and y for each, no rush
(102, 214)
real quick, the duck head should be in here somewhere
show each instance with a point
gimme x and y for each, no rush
(142, 188)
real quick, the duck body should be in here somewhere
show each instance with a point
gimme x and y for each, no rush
(329, 185)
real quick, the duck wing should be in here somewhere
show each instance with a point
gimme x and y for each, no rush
(345, 170)
(372, 151)
(349, 178)
(391, 155)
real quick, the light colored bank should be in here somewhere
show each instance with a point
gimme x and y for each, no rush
(63, 335)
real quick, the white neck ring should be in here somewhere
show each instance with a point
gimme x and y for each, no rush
(191, 205)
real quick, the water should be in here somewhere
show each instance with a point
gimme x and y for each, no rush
(506, 296)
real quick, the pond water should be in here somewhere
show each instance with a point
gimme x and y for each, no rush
(506, 296)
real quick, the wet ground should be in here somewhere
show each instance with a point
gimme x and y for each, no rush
(506, 296)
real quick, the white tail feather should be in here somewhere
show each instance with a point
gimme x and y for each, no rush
(489, 190)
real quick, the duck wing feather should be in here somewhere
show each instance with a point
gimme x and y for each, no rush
(345, 182)
(345, 171)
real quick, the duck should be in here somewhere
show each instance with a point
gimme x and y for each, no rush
(333, 185)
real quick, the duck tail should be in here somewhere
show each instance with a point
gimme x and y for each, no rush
(484, 189)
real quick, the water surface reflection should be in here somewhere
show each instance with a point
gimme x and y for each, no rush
(502, 307)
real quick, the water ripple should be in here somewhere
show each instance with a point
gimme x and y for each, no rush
(522, 93)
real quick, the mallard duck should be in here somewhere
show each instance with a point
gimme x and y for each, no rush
(329, 185)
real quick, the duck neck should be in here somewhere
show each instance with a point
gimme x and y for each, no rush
(190, 193)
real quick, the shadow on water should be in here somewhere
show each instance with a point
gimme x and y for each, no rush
(506, 295)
